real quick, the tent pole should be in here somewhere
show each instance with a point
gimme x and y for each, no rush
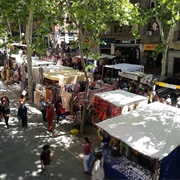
(157, 168)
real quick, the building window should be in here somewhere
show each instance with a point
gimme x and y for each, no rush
(130, 28)
(117, 29)
(151, 4)
(152, 26)
(155, 26)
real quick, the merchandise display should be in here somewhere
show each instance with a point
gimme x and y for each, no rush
(123, 168)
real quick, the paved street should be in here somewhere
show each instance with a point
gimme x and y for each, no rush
(20, 148)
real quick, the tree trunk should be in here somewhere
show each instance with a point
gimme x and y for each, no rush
(9, 26)
(81, 39)
(20, 33)
(164, 62)
(28, 38)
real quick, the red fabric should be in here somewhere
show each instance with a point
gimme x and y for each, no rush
(115, 111)
(63, 111)
(87, 149)
(50, 117)
(59, 109)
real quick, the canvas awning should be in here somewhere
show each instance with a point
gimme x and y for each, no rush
(65, 75)
(19, 45)
(126, 67)
(35, 62)
(90, 57)
(152, 130)
(163, 84)
(120, 98)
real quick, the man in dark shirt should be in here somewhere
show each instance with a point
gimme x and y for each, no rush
(45, 159)
(22, 113)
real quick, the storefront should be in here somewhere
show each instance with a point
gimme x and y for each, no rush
(148, 61)
(129, 51)
(173, 63)
(107, 45)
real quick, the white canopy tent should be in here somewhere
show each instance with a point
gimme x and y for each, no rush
(22, 59)
(152, 130)
(126, 67)
(65, 75)
(121, 98)
(90, 57)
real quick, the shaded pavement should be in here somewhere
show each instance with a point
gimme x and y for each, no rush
(20, 148)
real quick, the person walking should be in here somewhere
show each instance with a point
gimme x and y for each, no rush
(4, 99)
(22, 99)
(45, 158)
(22, 113)
(43, 105)
(6, 113)
(86, 154)
(1, 111)
(50, 116)
(58, 108)
(98, 169)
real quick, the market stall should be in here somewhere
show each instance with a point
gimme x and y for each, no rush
(112, 103)
(49, 88)
(66, 75)
(137, 76)
(153, 131)
(95, 62)
(112, 70)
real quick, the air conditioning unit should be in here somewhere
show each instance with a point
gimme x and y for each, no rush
(106, 32)
(148, 33)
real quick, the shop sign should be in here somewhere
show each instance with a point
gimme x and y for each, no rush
(149, 47)
(129, 76)
(129, 41)
(126, 42)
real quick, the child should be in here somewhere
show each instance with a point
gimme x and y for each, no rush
(98, 170)
(45, 159)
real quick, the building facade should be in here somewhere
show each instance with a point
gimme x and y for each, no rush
(120, 41)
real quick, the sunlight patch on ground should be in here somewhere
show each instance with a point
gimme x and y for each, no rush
(35, 173)
(41, 136)
(64, 121)
(34, 110)
(15, 132)
(20, 178)
(3, 176)
(12, 108)
(2, 91)
(63, 140)
(54, 145)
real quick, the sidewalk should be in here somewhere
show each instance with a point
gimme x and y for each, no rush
(20, 148)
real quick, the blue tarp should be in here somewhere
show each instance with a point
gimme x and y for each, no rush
(170, 165)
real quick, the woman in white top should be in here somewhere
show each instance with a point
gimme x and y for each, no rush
(98, 169)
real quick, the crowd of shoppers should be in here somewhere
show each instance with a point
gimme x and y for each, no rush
(49, 111)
